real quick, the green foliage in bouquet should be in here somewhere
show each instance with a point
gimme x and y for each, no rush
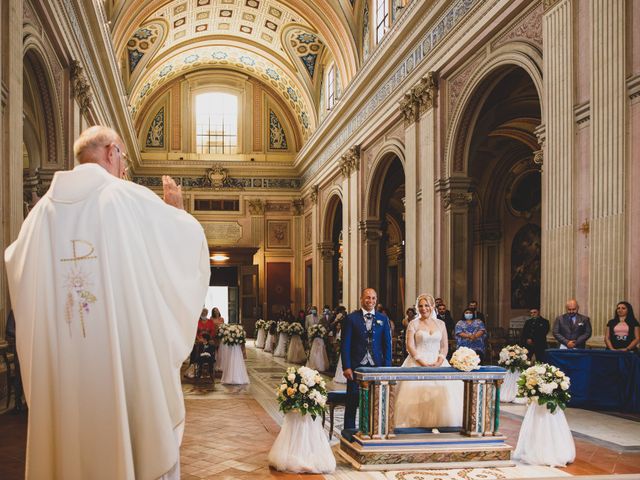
(302, 390)
(546, 384)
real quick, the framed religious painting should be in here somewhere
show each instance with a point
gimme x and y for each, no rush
(278, 234)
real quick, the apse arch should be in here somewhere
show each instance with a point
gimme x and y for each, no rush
(334, 200)
(474, 95)
(379, 168)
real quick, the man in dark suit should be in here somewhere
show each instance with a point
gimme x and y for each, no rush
(534, 335)
(572, 330)
(366, 341)
(445, 315)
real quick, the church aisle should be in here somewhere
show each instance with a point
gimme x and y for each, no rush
(230, 429)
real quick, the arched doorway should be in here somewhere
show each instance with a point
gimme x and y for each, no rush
(332, 253)
(504, 215)
(385, 234)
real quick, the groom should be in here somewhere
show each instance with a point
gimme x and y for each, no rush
(366, 342)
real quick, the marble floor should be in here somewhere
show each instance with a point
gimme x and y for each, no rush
(230, 429)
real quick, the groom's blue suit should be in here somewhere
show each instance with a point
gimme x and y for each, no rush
(355, 338)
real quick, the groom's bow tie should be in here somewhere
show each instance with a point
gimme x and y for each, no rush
(368, 316)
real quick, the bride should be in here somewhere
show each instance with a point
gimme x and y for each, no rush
(428, 403)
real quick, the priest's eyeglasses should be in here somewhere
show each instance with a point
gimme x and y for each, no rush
(122, 154)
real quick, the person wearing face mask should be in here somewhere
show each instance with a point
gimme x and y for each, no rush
(572, 330)
(471, 333)
(534, 335)
(312, 318)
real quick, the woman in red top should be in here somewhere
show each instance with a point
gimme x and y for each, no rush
(205, 325)
(216, 320)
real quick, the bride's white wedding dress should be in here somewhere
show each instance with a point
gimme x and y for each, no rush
(436, 403)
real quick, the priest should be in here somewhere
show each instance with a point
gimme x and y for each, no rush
(106, 281)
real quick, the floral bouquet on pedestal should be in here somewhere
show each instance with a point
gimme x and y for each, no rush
(546, 385)
(283, 327)
(302, 390)
(267, 325)
(465, 359)
(233, 335)
(220, 331)
(514, 357)
(295, 329)
(317, 331)
(259, 325)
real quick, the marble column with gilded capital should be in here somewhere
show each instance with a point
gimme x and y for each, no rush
(558, 230)
(607, 259)
(349, 165)
(326, 252)
(11, 163)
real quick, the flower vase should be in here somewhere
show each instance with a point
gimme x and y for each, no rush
(235, 370)
(296, 353)
(281, 347)
(270, 343)
(509, 388)
(318, 359)
(261, 338)
(545, 438)
(302, 446)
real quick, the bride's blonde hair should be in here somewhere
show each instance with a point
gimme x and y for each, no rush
(428, 298)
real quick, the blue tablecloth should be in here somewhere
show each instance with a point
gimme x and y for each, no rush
(600, 379)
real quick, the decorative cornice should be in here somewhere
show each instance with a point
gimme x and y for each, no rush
(327, 250)
(372, 229)
(538, 157)
(420, 98)
(239, 183)
(455, 192)
(528, 29)
(80, 87)
(350, 161)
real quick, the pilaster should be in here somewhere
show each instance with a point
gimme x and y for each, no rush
(607, 260)
(557, 175)
(349, 164)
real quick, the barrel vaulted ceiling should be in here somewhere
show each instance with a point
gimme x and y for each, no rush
(279, 42)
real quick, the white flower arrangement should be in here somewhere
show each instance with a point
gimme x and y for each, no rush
(546, 384)
(302, 390)
(283, 327)
(317, 331)
(513, 358)
(234, 335)
(259, 324)
(267, 325)
(465, 359)
(295, 329)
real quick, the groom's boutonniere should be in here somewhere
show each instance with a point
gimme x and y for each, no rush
(379, 322)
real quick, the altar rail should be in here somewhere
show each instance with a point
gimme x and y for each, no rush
(481, 410)
(376, 444)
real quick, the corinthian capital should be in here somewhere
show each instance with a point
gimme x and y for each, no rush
(350, 160)
(420, 98)
(80, 86)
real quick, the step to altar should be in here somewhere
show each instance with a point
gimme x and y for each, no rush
(426, 450)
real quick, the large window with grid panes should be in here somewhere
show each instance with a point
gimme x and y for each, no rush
(216, 123)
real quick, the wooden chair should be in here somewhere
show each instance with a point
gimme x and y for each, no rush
(334, 398)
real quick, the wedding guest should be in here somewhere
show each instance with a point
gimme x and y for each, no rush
(623, 330)
(572, 330)
(205, 325)
(471, 333)
(445, 315)
(534, 335)
(312, 318)
(477, 314)
(301, 317)
(326, 317)
(409, 315)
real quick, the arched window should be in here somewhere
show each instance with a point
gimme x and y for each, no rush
(331, 87)
(216, 123)
(382, 18)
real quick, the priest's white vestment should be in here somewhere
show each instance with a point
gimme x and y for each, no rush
(107, 283)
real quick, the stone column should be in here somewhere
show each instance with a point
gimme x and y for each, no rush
(350, 163)
(372, 234)
(456, 199)
(607, 260)
(417, 110)
(256, 212)
(11, 200)
(315, 257)
(327, 252)
(298, 248)
(557, 176)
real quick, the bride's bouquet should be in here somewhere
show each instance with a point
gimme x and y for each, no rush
(234, 335)
(295, 329)
(317, 331)
(283, 327)
(546, 384)
(259, 324)
(514, 357)
(465, 359)
(302, 390)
